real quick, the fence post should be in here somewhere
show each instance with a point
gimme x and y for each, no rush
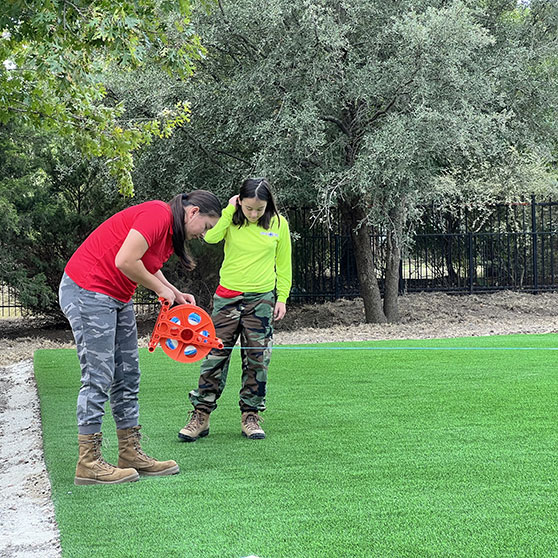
(534, 247)
(471, 262)
(336, 266)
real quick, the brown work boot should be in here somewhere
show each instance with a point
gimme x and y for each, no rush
(93, 469)
(251, 426)
(130, 454)
(197, 427)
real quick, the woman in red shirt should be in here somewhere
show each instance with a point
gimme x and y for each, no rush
(95, 294)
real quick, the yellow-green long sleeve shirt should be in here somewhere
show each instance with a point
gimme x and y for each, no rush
(256, 260)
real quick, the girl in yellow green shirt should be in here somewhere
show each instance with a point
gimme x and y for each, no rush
(255, 281)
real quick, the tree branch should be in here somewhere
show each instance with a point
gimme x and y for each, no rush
(341, 125)
(384, 110)
(222, 10)
(207, 153)
(224, 51)
(398, 92)
(220, 152)
(233, 34)
(73, 6)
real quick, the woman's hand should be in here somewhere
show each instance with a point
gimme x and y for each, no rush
(166, 293)
(185, 298)
(234, 200)
(279, 311)
(177, 296)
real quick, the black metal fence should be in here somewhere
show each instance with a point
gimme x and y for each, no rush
(503, 247)
(9, 303)
(482, 262)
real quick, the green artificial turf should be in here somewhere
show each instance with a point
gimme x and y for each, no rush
(370, 452)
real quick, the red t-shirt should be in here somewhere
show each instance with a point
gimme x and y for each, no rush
(92, 266)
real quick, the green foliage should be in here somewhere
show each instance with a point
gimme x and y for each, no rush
(51, 198)
(375, 108)
(55, 58)
(371, 103)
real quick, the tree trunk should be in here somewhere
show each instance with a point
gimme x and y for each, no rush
(453, 278)
(369, 289)
(393, 260)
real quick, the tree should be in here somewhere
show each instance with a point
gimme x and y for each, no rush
(61, 127)
(56, 56)
(374, 108)
(51, 198)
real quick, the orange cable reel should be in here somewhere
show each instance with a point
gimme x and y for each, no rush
(185, 332)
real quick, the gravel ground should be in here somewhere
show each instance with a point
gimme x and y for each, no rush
(26, 512)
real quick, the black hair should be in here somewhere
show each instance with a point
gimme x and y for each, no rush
(209, 205)
(256, 188)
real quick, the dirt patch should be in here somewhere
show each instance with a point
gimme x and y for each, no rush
(427, 308)
(26, 511)
(427, 315)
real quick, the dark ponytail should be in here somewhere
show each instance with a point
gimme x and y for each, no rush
(260, 189)
(209, 205)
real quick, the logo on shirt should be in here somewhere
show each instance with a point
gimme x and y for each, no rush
(269, 233)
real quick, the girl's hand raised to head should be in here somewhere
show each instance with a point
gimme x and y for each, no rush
(280, 311)
(234, 201)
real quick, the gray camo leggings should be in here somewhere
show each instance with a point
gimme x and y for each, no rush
(107, 345)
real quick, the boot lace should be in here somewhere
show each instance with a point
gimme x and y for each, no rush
(252, 421)
(136, 439)
(195, 419)
(97, 443)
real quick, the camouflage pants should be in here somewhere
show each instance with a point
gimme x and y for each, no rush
(250, 317)
(107, 345)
